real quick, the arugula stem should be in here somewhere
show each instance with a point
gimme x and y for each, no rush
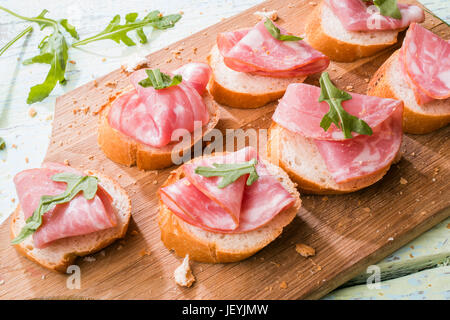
(20, 35)
(42, 20)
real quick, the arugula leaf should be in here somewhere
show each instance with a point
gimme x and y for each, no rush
(53, 51)
(20, 35)
(337, 115)
(119, 32)
(230, 172)
(159, 80)
(75, 184)
(388, 8)
(276, 33)
(2, 143)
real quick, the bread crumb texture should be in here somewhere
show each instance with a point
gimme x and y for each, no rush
(183, 274)
(305, 250)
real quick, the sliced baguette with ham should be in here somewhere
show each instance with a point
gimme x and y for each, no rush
(423, 114)
(326, 32)
(57, 255)
(252, 68)
(214, 246)
(325, 162)
(125, 135)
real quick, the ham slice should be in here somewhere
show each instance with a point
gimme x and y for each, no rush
(237, 208)
(425, 60)
(358, 15)
(256, 51)
(151, 116)
(300, 111)
(78, 217)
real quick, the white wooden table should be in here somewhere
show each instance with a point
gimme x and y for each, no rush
(27, 137)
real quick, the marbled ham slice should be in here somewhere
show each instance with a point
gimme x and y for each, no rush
(151, 116)
(425, 60)
(363, 155)
(260, 203)
(301, 112)
(78, 217)
(358, 15)
(256, 51)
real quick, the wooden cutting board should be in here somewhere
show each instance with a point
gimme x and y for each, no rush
(349, 232)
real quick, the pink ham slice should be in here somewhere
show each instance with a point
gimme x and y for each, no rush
(256, 51)
(355, 15)
(363, 155)
(425, 59)
(78, 217)
(151, 116)
(212, 209)
(300, 111)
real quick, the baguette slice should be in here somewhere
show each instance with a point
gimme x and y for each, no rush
(210, 247)
(127, 151)
(243, 90)
(301, 159)
(62, 253)
(389, 82)
(325, 33)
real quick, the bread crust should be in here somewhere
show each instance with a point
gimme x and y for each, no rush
(176, 236)
(312, 187)
(413, 121)
(335, 49)
(127, 151)
(69, 257)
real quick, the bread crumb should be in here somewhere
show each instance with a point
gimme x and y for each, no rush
(272, 15)
(403, 181)
(366, 209)
(91, 157)
(43, 277)
(32, 112)
(72, 61)
(27, 160)
(283, 285)
(366, 80)
(89, 259)
(103, 59)
(134, 233)
(312, 3)
(183, 274)
(2, 282)
(305, 250)
(144, 252)
(390, 239)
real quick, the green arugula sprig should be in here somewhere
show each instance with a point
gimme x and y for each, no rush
(159, 80)
(388, 8)
(230, 172)
(119, 32)
(20, 35)
(75, 184)
(337, 115)
(276, 33)
(53, 51)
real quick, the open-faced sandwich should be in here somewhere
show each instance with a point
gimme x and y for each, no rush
(64, 213)
(225, 207)
(346, 30)
(311, 137)
(418, 74)
(143, 125)
(252, 67)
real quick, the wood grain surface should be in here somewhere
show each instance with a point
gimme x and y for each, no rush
(348, 232)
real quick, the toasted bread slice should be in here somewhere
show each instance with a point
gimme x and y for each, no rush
(127, 151)
(301, 159)
(389, 82)
(325, 33)
(210, 247)
(62, 253)
(243, 90)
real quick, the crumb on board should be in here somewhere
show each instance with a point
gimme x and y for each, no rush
(272, 15)
(32, 112)
(183, 274)
(283, 285)
(403, 181)
(366, 209)
(67, 162)
(144, 252)
(305, 250)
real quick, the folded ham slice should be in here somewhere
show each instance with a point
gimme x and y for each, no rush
(300, 111)
(256, 51)
(151, 116)
(77, 217)
(358, 15)
(236, 208)
(425, 60)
